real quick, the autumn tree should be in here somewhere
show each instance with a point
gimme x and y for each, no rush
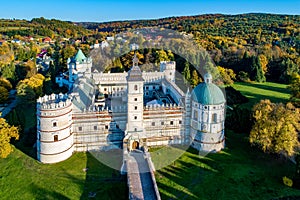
(294, 87)
(228, 76)
(28, 90)
(6, 133)
(263, 63)
(195, 79)
(275, 127)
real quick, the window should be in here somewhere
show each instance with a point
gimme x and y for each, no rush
(135, 87)
(135, 99)
(79, 128)
(195, 115)
(153, 123)
(135, 107)
(147, 88)
(105, 89)
(180, 122)
(54, 124)
(135, 129)
(162, 123)
(55, 138)
(95, 128)
(214, 118)
(106, 127)
(153, 87)
(135, 117)
(171, 122)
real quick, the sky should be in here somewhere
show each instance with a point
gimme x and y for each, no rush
(115, 10)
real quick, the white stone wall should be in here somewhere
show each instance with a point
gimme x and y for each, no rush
(135, 106)
(54, 128)
(207, 127)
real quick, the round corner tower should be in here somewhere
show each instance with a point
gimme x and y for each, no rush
(208, 116)
(54, 128)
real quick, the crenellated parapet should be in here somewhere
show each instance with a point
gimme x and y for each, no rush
(54, 128)
(53, 101)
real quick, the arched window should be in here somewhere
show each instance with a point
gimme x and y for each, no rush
(214, 118)
(55, 138)
(135, 87)
(195, 115)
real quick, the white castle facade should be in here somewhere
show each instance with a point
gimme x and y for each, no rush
(133, 109)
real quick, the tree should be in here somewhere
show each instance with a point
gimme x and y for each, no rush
(256, 73)
(28, 90)
(227, 75)
(3, 94)
(275, 127)
(294, 87)
(195, 78)
(67, 52)
(5, 83)
(186, 72)
(263, 63)
(6, 133)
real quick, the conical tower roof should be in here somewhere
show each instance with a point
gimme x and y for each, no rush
(79, 57)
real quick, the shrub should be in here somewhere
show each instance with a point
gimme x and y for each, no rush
(287, 181)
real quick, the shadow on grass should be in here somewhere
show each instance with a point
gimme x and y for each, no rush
(103, 182)
(42, 193)
(24, 117)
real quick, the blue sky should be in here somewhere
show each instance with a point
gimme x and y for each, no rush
(104, 10)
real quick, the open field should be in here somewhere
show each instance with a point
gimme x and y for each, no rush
(256, 91)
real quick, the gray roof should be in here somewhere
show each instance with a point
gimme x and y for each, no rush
(135, 74)
(85, 90)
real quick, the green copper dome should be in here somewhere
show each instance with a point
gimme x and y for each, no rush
(208, 93)
(79, 57)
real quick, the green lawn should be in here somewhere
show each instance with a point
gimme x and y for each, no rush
(237, 172)
(256, 91)
(22, 177)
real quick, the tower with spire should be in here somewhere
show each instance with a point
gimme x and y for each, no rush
(135, 101)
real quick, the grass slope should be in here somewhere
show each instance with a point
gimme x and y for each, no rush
(22, 177)
(237, 172)
(256, 91)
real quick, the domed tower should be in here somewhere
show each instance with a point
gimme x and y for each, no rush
(207, 116)
(54, 128)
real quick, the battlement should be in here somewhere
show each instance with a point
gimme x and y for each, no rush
(162, 107)
(53, 101)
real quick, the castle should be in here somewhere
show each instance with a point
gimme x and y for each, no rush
(104, 111)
